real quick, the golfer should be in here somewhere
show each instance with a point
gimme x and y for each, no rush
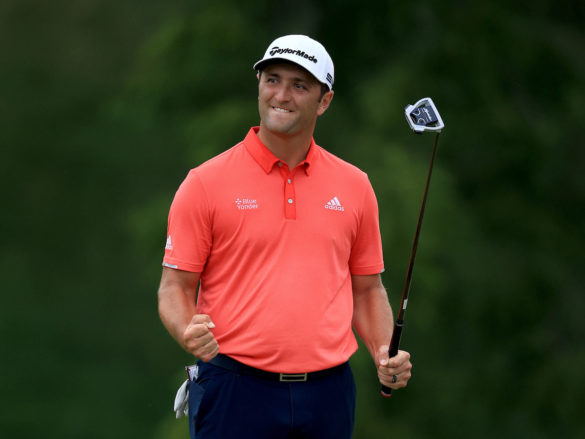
(282, 238)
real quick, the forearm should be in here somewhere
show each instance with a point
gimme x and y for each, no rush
(372, 317)
(175, 309)
(176, 303)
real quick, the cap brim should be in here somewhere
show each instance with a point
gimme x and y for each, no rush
(263, 63)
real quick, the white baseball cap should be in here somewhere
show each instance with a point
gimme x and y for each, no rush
(303, 51)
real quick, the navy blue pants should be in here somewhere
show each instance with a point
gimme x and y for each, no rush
(225, 404)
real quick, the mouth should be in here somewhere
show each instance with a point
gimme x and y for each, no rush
(281, 110)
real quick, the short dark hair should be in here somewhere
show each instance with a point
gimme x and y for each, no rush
(324, 89)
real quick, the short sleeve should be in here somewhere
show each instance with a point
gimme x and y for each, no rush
(366, 252)
(189, 227)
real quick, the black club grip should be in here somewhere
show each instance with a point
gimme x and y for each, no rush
(394, 344)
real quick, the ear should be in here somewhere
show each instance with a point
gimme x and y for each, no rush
(325, 102)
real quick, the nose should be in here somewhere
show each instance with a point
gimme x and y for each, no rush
(283, 92)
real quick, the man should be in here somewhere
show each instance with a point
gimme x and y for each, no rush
(283, 239)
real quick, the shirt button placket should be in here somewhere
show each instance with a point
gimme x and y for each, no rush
(290, 208)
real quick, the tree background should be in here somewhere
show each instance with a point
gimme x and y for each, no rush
(105, 106)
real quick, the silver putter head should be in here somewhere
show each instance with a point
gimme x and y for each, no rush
(424, 116)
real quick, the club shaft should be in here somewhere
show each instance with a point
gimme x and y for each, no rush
(408, 279)
(398, 325)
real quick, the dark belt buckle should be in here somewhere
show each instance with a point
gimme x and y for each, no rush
(293, 377)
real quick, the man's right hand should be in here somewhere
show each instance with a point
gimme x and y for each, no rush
(198, 339)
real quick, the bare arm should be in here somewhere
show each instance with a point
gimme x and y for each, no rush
(177, 310)
(372, 320)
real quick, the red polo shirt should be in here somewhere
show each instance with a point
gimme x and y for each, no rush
(276, 249)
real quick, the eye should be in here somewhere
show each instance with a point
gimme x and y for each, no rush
(300, 86)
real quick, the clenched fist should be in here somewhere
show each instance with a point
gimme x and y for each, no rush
(198, 339)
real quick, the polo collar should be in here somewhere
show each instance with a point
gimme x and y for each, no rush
(267, 160)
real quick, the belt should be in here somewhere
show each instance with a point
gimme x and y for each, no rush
(230, 364)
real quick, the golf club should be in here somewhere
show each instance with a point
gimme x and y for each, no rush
(422, 116)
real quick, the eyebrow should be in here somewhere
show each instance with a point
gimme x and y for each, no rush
(295, 78)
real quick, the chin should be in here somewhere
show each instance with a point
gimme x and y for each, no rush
(276, 127)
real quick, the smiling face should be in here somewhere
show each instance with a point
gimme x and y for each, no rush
(289, 100)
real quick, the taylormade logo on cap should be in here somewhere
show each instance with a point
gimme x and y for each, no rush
(303, 51)
(277, 49)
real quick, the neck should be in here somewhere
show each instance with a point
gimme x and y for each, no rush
(291, 149)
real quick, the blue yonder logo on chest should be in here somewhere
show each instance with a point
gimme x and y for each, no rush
(246, 203)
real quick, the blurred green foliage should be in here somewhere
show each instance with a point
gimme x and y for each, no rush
(105, 105)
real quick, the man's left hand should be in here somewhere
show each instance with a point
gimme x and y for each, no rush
(393, 372)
